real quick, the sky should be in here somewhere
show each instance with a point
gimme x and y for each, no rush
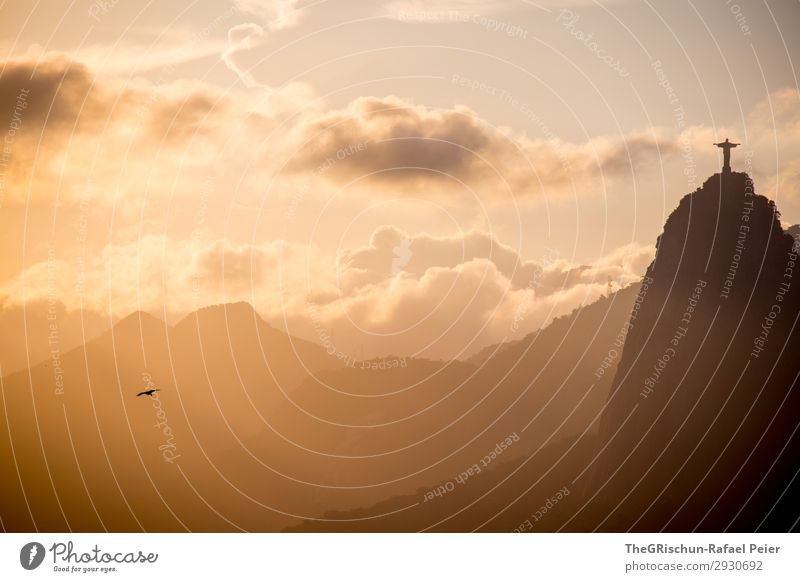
(398, 176)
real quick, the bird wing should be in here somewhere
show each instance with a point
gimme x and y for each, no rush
(141, 393)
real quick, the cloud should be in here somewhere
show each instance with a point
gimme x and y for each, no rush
(446, 10)
(411, 147)
(784, 185)
(274, 15)
(779, 111)
(154, 153)
(437, 10)
(455, 294)
(162, 274)
(77, 123)
(278, 14)
(451, 295)
(391, 251)
(77, 127)
(388, 146)
(43, 329)
(770, 149)
(163, 57)
(241, 38)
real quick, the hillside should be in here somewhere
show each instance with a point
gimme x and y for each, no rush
(702, 419)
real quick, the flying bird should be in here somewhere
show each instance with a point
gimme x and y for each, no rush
(148, 392)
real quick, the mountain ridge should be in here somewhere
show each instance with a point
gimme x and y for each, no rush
(691, 388)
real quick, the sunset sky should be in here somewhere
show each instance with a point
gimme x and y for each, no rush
(403, 176)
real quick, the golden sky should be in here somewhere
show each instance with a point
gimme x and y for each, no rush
(402, 176)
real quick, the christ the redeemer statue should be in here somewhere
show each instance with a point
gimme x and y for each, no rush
(726, 153)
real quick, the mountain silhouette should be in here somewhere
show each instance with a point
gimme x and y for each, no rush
(548, 388)
(95, 457)
(243, 404)
(700, 429)
(670, 405)
(696, 432)
(43, 330)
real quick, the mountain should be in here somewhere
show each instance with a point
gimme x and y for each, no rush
(41, 330)
(80, 451)
(254, 429)
(544, 391)
(670, 405)
(700, 429)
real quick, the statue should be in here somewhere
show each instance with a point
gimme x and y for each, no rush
(726, 151)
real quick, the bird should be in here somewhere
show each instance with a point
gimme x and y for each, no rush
(148, 392)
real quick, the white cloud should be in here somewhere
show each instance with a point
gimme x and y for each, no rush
(445, 303)
(277, 14)
(241, 38)
(274, 15)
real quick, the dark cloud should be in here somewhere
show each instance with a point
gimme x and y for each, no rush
(397, 144)
(67, 124)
